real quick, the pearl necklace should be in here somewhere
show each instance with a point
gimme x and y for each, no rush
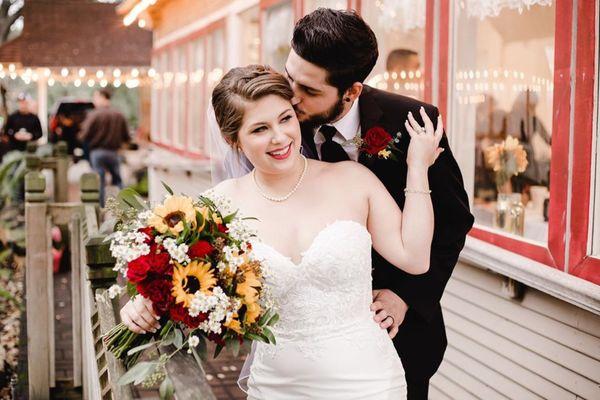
(287, 196)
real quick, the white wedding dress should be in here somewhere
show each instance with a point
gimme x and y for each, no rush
(328, 346)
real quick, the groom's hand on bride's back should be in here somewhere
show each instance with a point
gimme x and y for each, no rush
(389, 310)
(138, 315)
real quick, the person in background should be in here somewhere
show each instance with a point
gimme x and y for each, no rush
(104, 132)
(402, 66)
(22, 126)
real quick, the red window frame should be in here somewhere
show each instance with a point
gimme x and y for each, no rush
(185, 43)
(557, 250)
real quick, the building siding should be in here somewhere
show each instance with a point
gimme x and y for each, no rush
(538, 347)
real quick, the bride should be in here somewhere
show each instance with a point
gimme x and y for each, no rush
(316, 224)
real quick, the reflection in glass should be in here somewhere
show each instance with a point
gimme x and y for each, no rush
(250, 37)
(196, 83)
(311, 5)
(502, 108)
(277, 34)
(400, 29)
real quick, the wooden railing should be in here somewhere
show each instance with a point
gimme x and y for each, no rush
(94, 368)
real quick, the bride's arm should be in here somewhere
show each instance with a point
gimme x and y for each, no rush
(404, 238)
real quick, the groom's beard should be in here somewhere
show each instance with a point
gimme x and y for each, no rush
(324, 118)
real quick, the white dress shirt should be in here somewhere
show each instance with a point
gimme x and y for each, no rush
(348, 127)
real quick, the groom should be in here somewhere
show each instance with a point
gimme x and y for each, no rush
(332, 53)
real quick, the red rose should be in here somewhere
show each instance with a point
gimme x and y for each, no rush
(375, 140)
(200, 249)
(159, 292)
(180, 314)
(222, 228)
(138, 269)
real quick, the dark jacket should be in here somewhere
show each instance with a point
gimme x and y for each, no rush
(104, 128)
(421, 340)
(17, 121)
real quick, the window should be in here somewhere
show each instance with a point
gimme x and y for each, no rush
(179, 95)
(502, 99)
(595, 223)
(400, 29)
(165, 100)
(278, 26)
(311, 5)
(215, 63)
(250, 36)
(196, 90)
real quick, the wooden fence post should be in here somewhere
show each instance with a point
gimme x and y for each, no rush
(101, 276)
(61, 184)
(38, 286)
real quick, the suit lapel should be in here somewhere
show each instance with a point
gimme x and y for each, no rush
(370, 116)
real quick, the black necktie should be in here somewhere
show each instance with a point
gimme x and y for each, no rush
(331, 151)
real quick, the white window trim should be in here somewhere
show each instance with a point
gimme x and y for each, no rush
(556, 283)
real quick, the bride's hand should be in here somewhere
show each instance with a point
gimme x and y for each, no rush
(138, 315)
(424, 148)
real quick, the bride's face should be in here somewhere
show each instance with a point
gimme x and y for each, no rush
(270, 134)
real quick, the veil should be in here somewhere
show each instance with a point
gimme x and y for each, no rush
(225, 162)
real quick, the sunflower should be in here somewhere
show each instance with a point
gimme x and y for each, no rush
(170, 215)
(253, 311)
(234, 324)
(187, 280)
(248, 285)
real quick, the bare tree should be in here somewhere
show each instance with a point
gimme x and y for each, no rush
(10, 12)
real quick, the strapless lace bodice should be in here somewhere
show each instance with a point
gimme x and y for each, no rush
(329, 289)
(328, 346)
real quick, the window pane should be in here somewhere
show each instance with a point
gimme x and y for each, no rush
(196, 86)
(502, 112)
(250, 36)
(311, 5)
(277, 34)
(179, 100)
(400, 29)
(215, 64)
(167, 77)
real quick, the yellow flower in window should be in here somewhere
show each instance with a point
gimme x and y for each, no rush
(187, 280)
(170, 216)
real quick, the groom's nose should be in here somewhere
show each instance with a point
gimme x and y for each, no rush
(295, 100)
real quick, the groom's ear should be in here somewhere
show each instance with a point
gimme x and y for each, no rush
(353, 92)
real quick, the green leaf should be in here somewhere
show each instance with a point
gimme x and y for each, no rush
(140, 348)
(218, 350)
(131, 289)
(234, 345)
(138, 373)
(273, 320)
(132, 199)
(266, 317)
(197, 357)
(255, 337)
(167, 188)
(166, 390)
(269, 335)
(178, 341)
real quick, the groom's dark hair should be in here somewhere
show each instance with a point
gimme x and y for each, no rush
(338, 41)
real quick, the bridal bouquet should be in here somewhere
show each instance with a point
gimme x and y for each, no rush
(193, 259)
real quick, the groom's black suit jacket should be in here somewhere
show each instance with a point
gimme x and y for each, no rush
(421, 340)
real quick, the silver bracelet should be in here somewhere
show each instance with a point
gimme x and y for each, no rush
(407, 190)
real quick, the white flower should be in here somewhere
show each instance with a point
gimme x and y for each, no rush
(177, 252)
(193, 341)
(115, 290)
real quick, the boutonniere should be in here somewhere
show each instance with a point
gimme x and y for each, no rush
(378, 142)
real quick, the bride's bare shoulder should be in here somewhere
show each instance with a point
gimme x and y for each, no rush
(350, 170)
(227, 187)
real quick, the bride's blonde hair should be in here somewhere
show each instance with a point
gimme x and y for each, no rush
(239, 86)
